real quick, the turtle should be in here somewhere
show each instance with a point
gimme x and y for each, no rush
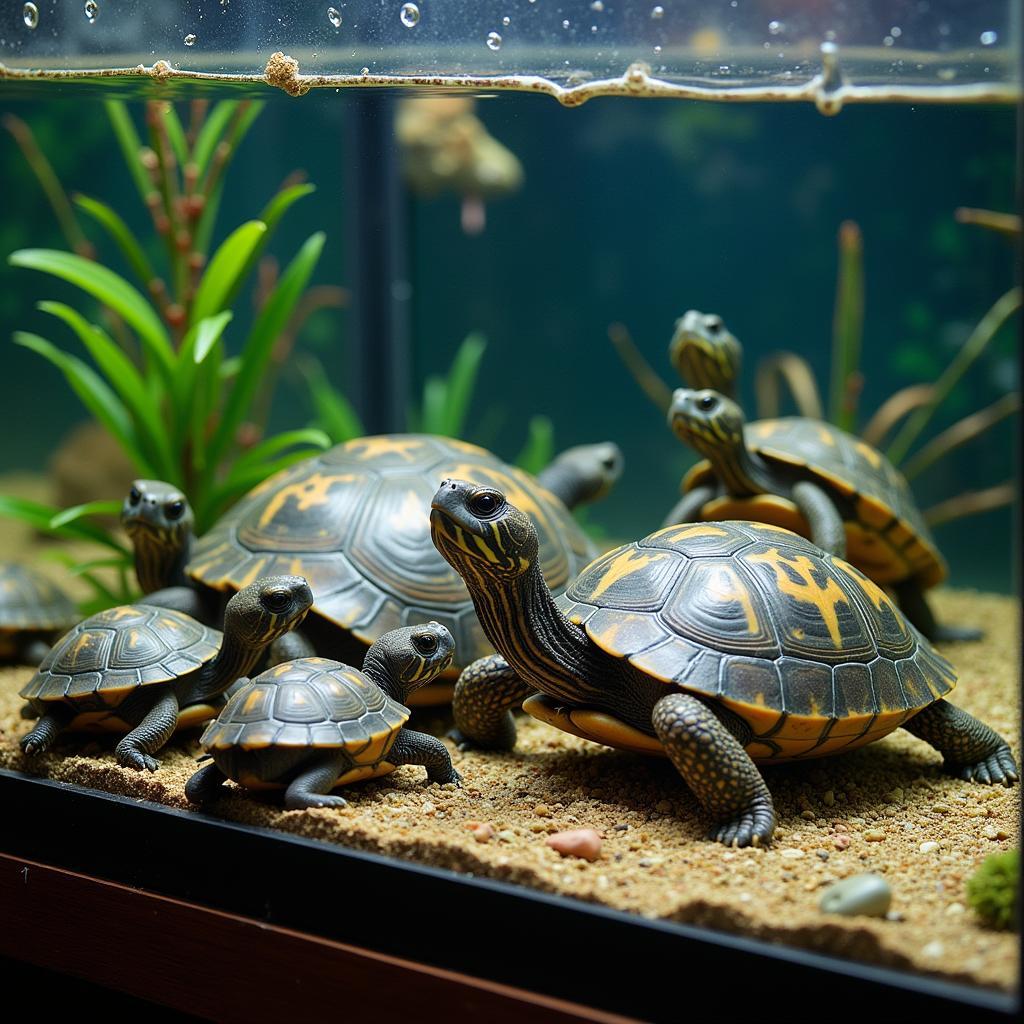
(721, 645)
(161, 527)
(705, 353)
(145, 671)
(816, 479)
(354, 521)
(34, 611)
(309, 725)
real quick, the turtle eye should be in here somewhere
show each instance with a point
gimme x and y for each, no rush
(174, 509)
(706, 403)
(277, 600)
(134, 496)
(485, 503)
(713, 324)
(425, 643)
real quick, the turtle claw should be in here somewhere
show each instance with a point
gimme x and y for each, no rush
(314, 801)
(30, 746)
(445, 778)
(752, 827)
(998, 768)
(129, 757)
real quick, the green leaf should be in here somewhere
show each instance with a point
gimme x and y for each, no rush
(461, 381)
(128, 140)
(259, 345)
(175, 133)
(207, 219)
(282, 202)
(109, 288)
(79, 568)
(334, 411)
(222, 276)
(211, 133)
(39, 516)
(435, 400)
(90, 508)
(224, 495)
(120, 233)
(120, 371)
(197, 383)
(540, 445)
(263, 452)
(99, 399)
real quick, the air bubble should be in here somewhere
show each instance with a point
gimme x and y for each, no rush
(493, 41)
(92, 11)
(30, 15)
(565, 23)
(334, 16)
(895, 31)
(410, 15)
(776, 28)
(657, 49)
(190, 39)
(989, 38)
(888, 41)
(593, 30)
(597, 6)
(657, 12)
(506, 21)
(364, 71)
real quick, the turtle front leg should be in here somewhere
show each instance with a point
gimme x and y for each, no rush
(687, 508)
(970, 749)
(45, 731)
(915, 606)
(205, 785)
(418, 748)
(707, 750)
(827, 528)
(156, 728)
(312, 787)
(485, 693)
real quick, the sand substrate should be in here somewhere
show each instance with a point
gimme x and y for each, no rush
(881, 809)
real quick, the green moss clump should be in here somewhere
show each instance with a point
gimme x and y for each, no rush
(992, 889)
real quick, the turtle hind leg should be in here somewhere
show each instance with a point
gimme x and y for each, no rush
(707, 750)
(418, 748)
(915, 606)
(485, 693)
(205, 785)
(45, 731)
(970, 749)
(158, 723)
(312, 786)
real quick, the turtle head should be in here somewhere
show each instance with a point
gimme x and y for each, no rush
(157, 513)
(479, 533)
(265, 610)
(706, 420)
(592, 469)
(407, 658)
(704, 352)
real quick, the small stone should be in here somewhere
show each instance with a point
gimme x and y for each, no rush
(874, 835)
(428, 807)
(620, 828)
(934, 950)
(867, 894)
(955, 909)
(822, 854)
(894, 796)
(481, 830)
(577, 842)
(940, 808)
(930, 846)
(992, 832)
(841, 842)
(793, 854)
(506, 835)
(663, 807)
(542, 810)
(808, 815)
(829, 799)
(894, 915)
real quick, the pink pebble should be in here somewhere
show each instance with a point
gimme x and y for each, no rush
(577, 842)
(842, 842)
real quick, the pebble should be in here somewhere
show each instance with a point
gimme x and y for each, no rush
(991, 832)
(506, 835)
(542, 810)
(940, 808)
(577, 842)
(829, 799)
(841, 842)
(663, 807)
(867, 894)
(929, 847)
(482, 831)
(934, 950)
(955, 909)
(874, 835)
(894, 796)
(822, 854)
(794, 854)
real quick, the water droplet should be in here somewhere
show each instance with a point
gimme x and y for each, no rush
(657, 12)
(30, 15)
(830, 36)
(593, 30)
(895, 31)
(190, 39)
(493, 41)
(597, 5)
(888, 41)
(565, 23)
(92, 11)
(334, 16)
(364, 71)
(989, 38)
(506, 21)
(829, 48)
(776, 28)
(657, 49)
(410, 15)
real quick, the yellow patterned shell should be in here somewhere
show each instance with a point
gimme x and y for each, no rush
(812, 654)
(115, 651)
(30, 601)
(887, 536)
(312, 702)
(355, 521)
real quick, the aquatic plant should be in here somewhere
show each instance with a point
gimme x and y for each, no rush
(160, 379)
(992, 889)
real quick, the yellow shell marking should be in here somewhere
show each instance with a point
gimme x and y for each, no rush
(728, 588)
(809, 591)
(825, 436)
(251, 702)
(307, 493)
(869, 453)
(621, 566)
(674, 534)
(371, 447)
(877, 595)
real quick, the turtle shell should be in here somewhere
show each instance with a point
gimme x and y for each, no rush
(114, 652)
(812, 654)
(311, 703)
(30, 601)
(355, 521)
(887, 536)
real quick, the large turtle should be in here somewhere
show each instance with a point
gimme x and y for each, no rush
(817, 480)
(309, 725)
(718, 644)
(354, 521)
(145, 670)
(33, 612)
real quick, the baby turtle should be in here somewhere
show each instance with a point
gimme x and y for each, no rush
(309, 725)
(33, 613)
(717, 644)
(160, 525)
(705, 353)
(146, 670)
(812, 478)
